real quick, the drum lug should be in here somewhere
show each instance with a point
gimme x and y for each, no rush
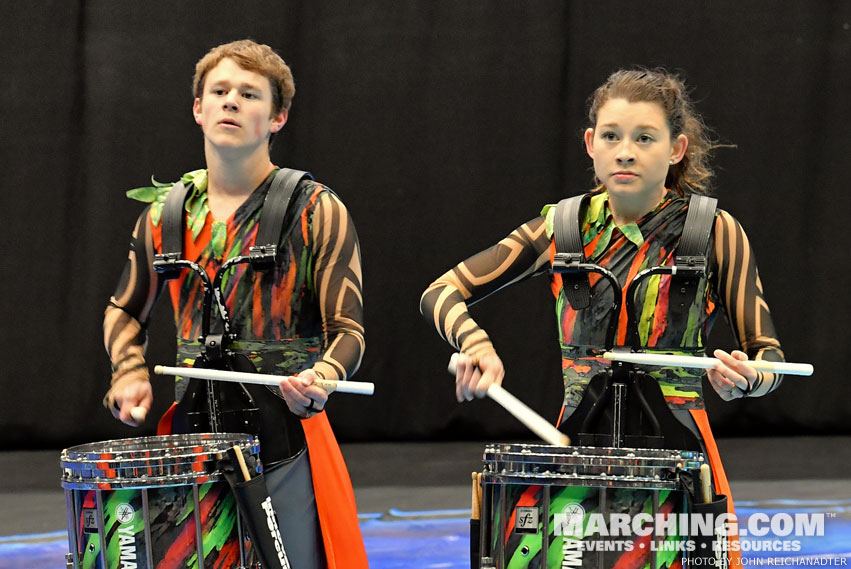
(69, 561)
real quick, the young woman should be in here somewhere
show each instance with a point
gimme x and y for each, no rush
(649, 149)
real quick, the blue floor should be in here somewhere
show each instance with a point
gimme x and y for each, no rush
(426, 540)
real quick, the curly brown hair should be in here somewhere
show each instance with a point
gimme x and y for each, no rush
(250, 55)
(693, 173)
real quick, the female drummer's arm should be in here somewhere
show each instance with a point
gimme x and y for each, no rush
(337, 277)
(522, 254)
(124, 326)
(740, 289)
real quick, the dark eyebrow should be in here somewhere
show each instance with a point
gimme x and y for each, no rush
(640, 127)
(223, 82)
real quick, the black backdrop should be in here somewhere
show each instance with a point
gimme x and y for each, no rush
(443, 125)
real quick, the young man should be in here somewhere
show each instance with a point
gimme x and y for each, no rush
(302, 318)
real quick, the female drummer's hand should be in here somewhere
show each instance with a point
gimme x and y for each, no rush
(130, 398)
(732, 378)
(303, 398)
(474, 378)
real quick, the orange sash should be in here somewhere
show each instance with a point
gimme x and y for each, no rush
(335, 499)
(719, 479)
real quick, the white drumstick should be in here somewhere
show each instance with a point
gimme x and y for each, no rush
(358, 387)
(522, 412)
(704, 363)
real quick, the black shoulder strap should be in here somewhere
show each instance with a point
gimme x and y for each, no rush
(691, 259)
(172, 224)
(570, 253)
(694, 242)
(262, 255)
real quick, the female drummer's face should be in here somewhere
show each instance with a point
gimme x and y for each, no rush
(632, 148)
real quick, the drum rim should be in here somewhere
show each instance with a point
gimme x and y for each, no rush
(553, 450)
(192, 440)
(85, 467)
(509, 463)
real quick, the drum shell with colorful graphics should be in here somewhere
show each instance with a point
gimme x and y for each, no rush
(155, 502)
(553, 507)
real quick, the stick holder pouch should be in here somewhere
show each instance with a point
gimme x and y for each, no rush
(255, 507)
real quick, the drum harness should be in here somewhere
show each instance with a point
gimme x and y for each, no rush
(653, 422)
(233, 407)
(690, 264)
(230, 406)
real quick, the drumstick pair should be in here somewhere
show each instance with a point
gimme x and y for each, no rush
(476, 509)
(553, 436)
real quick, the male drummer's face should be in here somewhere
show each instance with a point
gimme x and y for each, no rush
(235, 107)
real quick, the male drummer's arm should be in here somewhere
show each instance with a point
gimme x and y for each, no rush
(740, 289)
(124, 327)
(337, 277)
(521, 255)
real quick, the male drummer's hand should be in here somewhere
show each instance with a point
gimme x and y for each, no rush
(733, 376)
(302, 397)
(473, 378)
(130, 397)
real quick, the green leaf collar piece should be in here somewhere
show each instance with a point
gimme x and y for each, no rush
(195, 205)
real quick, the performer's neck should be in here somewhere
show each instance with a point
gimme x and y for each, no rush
(629, 208)
(232, 173)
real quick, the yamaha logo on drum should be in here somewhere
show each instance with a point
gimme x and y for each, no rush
(569, 522)
(124, 513)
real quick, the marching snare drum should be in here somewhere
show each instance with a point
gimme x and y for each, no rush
(154, 503)
(552, 507)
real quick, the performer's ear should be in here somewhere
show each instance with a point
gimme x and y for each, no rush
(589, 142)
(196, 110)
(679, 148)
(279, 120)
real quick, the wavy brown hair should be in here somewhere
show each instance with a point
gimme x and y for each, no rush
(693, 173)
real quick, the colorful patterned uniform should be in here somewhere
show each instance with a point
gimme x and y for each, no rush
(733, 286)
(306, 313)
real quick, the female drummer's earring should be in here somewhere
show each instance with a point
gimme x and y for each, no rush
(671, 162)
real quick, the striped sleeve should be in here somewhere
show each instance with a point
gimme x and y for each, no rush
(522, 254)
(740, 290)
(337, 277)
(129, 308)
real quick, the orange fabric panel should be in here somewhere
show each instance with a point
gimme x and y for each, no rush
(335, 499)
(719, 480)
(164, 427)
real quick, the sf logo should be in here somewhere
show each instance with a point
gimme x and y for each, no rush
(89, 520)
(526, 520)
